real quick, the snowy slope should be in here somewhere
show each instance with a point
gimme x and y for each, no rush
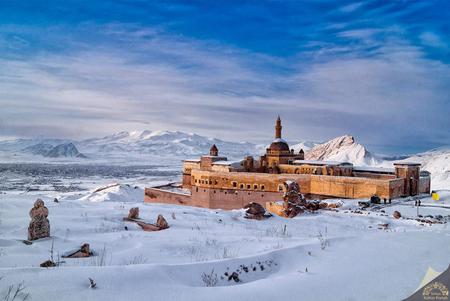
(343, 149)
(305, 145)
(115, 193)
(437, 162)
(330, 255)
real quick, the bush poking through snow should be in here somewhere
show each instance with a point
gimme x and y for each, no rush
(137, 260)
(210, 279)
(15, 292)
(324, 243)
(100, 258)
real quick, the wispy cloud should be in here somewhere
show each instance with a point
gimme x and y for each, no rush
(366, 76)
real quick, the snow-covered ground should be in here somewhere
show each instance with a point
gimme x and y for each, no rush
(329, 255)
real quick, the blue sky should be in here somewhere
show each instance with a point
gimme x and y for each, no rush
(378, 70)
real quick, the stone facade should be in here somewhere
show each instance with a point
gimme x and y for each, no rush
(215, 182)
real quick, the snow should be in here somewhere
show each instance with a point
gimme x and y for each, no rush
(317, 162)
(115, 193)
(340, 249)
(437, 162)
(342, 149)
(374, 169)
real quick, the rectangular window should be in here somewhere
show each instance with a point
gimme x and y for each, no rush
(249, 186)
(234, 184)
(241, 186)
(263, 187)
(255, 186)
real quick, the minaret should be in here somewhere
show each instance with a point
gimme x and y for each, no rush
(278, 128)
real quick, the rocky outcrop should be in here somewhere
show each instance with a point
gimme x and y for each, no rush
(133, 213)
(396, 215)
(255, 211)
(39, 225)
(294, 202)
(161, 222)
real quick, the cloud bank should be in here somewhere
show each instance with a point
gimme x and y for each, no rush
(361, 70)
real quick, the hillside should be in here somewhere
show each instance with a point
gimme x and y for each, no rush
(344, 148)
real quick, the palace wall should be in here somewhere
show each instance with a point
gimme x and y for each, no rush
(372, 175)
(232, 199)
(155, 195)
(424, 185)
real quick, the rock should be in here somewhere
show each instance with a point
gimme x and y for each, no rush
(55, 200)
(147, 226)
(396, 215)
(255, 211)
(294, 202)
(134, 213)
(161, 222)
(47, 264)
(234, 276)
(82, 252)
(39, 225)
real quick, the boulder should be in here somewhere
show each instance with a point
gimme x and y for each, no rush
(147, 226)
(39, 226)
(47, 264)
(396, 215)
(161, 222)
(255, 211)
(133, 213)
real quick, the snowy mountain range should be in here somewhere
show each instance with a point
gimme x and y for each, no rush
(173, 146)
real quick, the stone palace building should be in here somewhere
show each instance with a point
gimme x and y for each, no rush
(214, 182)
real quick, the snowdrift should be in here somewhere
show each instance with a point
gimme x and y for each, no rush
(115, 193)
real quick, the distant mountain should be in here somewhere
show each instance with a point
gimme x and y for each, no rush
(344, 149)
(64, 150)
(38, 149)
(165, 143)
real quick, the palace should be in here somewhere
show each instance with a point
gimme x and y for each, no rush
(214, 182)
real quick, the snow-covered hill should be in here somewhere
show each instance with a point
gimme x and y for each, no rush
(437, 162)
(344, 149)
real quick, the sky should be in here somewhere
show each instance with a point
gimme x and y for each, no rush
(377, 70)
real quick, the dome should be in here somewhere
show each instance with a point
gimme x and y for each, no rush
(279, 145)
